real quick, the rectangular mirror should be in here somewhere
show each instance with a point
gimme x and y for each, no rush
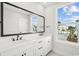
(18, 21)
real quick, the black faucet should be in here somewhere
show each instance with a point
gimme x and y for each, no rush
(17, 37)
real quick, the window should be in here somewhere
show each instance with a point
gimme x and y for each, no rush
(34, 23)
(68, 22)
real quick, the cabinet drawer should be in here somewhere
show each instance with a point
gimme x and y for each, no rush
(40, 42)
(39, 51)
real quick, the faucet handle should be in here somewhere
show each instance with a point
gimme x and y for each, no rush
(13, 39)
(17, 37)
(21, 38)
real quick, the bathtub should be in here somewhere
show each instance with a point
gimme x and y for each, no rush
(66, 48)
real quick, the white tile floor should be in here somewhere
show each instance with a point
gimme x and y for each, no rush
(53, 54)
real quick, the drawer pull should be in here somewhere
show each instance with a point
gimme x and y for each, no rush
(40, 42)
(40, 48)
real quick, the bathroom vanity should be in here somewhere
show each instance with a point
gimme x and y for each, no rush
(30, 45)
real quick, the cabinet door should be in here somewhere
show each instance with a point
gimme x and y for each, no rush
(29, 51)
(38, 52)
(48, 44)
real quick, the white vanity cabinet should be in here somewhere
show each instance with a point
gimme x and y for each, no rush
(32, 47)
(22, 50)
(43, 46)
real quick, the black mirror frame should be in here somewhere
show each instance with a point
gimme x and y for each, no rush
(2, 6)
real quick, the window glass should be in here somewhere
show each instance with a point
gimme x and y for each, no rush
(68, 22)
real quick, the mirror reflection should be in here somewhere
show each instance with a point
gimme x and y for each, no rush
(18, 21)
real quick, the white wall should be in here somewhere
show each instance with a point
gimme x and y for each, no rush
(49, 22)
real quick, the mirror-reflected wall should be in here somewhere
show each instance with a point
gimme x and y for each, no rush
(17, 20)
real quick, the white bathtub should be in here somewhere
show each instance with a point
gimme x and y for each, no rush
(66, 48)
